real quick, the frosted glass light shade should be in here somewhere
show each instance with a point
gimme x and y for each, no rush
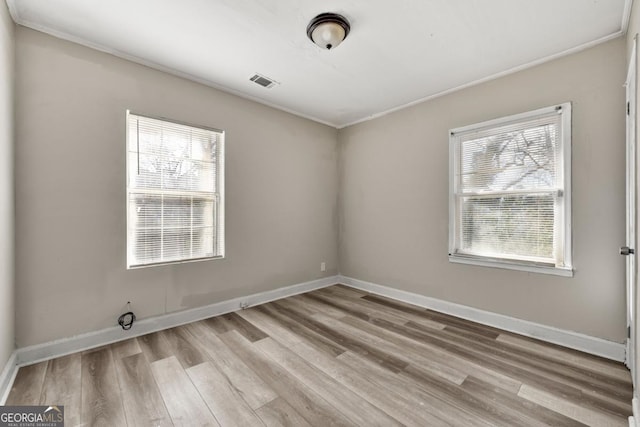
(328, 30)
(328, 35)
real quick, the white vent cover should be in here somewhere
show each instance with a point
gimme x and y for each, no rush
(263, 81)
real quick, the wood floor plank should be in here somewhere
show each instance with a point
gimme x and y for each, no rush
(312, 306)
(356, 307)
(396, 405)
(63, 386)
(262, 315)
(447, 365)
(143, 404)
(357, 409)
(435, 316)
(320, 341)
(246, 329)
(396, 315)
(125, 348)
(594, 379)
(154, 346)
(278, 413)
(246, 382)
(513, 368)
(572, 410)
(361, 331)
(540, 365)
(222, 398)
(303, 399)
(387, 360)
(468, 362)
(425, 403)
(528, 413)
(183, 402)
(234, 322)
(460, 398)
(614, 404)
(101, 397)
(338, 298)
(595, 364)
(219, 324)
(27, 386)
(399, 405)
(344, 291)
(181, 346)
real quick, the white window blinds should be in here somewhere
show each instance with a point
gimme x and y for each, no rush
(175, 188)
(509, 189)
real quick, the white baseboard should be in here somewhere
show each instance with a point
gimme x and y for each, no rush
(633, 420)
(7, 376)
(588, 344)
(53, 349)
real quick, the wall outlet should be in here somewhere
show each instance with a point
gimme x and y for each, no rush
(323, 266)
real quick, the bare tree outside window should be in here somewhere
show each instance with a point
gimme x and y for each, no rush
(508, 189)
(174, 187)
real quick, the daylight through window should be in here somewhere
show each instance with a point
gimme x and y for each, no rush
(175, 187)
(510, 192)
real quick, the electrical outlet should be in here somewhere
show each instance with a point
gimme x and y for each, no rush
(323, 266)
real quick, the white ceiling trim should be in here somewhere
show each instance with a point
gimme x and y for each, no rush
(489, 78)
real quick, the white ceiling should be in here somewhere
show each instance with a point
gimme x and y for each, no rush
(397, 53)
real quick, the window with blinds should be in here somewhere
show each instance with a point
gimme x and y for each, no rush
(510, 203)
(175, 185)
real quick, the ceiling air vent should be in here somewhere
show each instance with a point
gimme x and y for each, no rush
(263, 81)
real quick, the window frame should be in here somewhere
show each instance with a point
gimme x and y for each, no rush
(563, 217)
(219, 241)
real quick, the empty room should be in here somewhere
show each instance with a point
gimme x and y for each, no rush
(298, 213)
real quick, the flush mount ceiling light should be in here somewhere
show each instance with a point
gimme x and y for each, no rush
(328, 30)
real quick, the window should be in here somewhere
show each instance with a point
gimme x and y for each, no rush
(510, 195)
(175, 192)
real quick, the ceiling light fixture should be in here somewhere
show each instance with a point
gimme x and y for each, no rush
(328, 30)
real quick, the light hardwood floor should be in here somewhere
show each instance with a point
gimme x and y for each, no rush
(335, 356)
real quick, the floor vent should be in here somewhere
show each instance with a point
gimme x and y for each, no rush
(263, 81)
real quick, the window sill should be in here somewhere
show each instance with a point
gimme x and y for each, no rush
(512, 265)
(182, 261)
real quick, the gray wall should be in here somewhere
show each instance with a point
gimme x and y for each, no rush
(281, 188)
(7, 342)
(394, 196)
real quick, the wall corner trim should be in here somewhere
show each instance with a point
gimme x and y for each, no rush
(49, 350)
(577, 341)
(7, 376)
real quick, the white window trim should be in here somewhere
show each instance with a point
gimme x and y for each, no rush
(220, 209)
(565, 153)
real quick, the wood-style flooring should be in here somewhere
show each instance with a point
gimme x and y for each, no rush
(335, 356)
